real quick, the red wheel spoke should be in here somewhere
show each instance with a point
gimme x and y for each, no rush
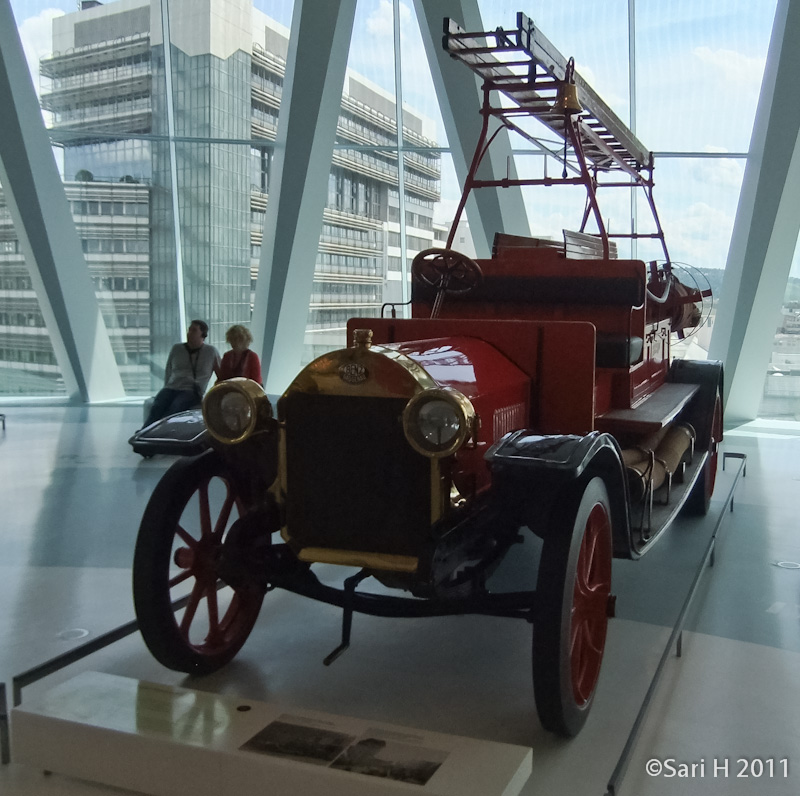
(224, 516)
(590, 605)
(582, 665)
(586, 654)
(586, 560)
(595, 583)
(213, 615)
(583, 640)
(180, 577)
(186, 537)
(191, 607)
(205, 511)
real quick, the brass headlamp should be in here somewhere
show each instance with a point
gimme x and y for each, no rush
(235, 409)
(438, 421)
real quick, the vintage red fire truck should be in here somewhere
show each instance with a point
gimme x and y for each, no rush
(530, 394)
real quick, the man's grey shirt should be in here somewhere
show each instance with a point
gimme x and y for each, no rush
(187, 371)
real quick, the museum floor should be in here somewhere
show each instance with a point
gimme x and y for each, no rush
(71, 496)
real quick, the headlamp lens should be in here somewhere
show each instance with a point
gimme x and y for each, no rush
(235, 409)
(235, 413)
(438, 422)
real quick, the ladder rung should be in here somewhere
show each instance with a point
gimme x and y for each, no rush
(482, 58)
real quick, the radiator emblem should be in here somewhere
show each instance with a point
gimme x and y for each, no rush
(353, 373)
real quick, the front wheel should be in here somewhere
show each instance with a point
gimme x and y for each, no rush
(178, 553)
(573, 590)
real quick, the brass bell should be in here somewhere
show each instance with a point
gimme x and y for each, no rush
(567, 101)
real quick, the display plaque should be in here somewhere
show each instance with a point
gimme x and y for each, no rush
(163, 740)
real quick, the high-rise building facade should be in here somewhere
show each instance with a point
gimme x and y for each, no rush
(105, 92)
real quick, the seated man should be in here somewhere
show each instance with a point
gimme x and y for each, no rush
(189, 367)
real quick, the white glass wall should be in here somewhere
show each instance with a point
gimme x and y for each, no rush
(687, 82)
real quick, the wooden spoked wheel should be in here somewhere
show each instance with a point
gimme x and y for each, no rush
(573, 592)
(177, 557)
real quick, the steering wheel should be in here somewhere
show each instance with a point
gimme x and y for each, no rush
(447, 270)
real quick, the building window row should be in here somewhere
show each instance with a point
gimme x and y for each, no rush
(138, 65)
(15, 282)
(33, 319)
(412, 241)
(369, 126)
(267, 80)
(27, 356)
(336, 319)
(121, 283)
(412, 219)
(394, 263)
(58, 68)
(116, 106)
(358, 160)
(115, 245)
(128, 321)
(265, 116)
(348, 264)
(128, 357)
(335, 234)
(411, 199)
(364, 292)
(373, 133)
(350, 193)
(92, 208)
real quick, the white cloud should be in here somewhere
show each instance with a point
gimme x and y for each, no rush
(722, 172)
(697, 94)
(381, 21)
(36, 34)
(700, 236)
(733, 69)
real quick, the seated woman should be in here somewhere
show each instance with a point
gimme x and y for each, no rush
(240, 360)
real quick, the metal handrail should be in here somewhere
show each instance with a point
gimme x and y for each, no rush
(675, 638)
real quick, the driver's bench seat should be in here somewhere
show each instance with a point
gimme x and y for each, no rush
(541, 284)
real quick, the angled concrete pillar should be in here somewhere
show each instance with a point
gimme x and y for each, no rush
(460, 98)
(312, 92)
(35, 196)
(766, 227)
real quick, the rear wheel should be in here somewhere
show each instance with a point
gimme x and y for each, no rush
(178, 555)
(572, 591)
(699, 500)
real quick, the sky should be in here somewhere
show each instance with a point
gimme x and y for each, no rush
(699, 65)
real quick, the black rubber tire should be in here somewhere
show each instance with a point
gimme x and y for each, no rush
(572, 593)
(699, 500)
(183, 527)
